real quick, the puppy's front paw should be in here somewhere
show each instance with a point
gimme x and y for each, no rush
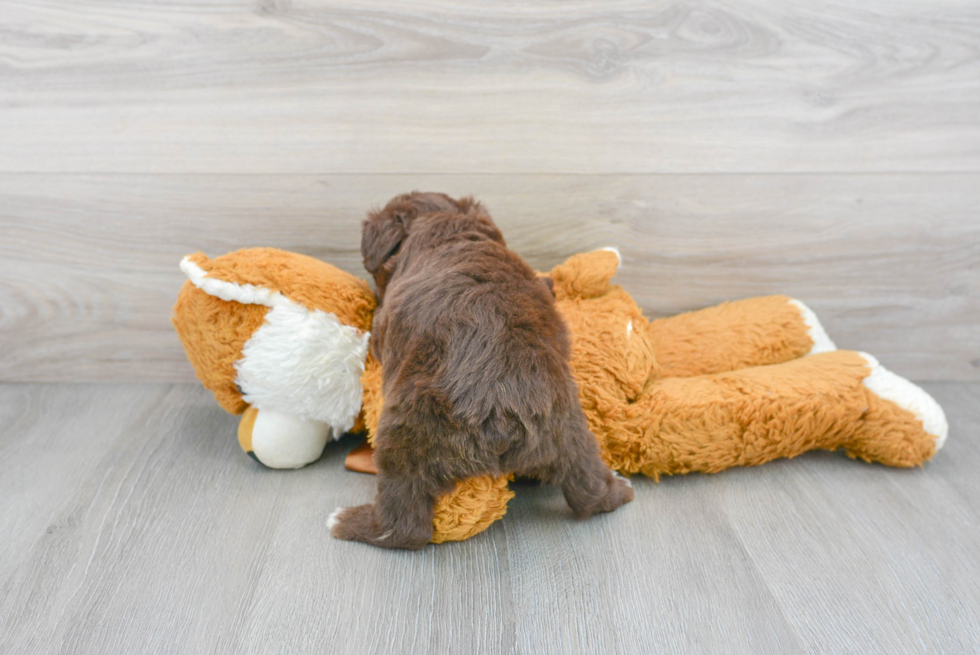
(354, 523)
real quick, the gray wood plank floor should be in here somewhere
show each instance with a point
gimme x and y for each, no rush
(131, 522)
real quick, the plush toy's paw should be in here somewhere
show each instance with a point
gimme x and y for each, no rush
(280, 441)
(821, 340)
(361, 459)
(910, 397)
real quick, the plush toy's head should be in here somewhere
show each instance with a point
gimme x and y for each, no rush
(279, 331)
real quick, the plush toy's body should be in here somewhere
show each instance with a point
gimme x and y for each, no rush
(738, 384)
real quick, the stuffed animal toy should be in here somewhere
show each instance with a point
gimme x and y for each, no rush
(282, 339)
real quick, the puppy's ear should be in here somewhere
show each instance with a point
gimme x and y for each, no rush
(548, 282)
(382, 237)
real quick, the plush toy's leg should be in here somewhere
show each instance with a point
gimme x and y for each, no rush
(833, 400)
(280, 441)
(735, 335)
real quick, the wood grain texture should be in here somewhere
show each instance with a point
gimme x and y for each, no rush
(312, 86)
(132, 522)
(891, 263)
(830, 151)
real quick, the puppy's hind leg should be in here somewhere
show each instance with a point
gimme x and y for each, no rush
(589, 486)
(400, 517)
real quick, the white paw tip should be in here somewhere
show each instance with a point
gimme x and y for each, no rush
(908, 396)
(334, 518)
(821, 340)
(629, 483)
(615, 250)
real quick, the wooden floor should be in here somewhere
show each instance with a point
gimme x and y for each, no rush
(132, 522)
(829, 151)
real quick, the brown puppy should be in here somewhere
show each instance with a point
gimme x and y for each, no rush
(476, 376)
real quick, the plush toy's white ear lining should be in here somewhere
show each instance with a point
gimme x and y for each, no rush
(908, 396)
(821, 340)
(247, 294)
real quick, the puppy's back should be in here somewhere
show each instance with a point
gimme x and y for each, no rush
(471, 323)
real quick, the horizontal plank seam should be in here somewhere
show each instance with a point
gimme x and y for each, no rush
(484, 174)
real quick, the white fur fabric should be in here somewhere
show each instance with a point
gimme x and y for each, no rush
(821, 340)
(908, 396)
(247, 294)
(305, 364)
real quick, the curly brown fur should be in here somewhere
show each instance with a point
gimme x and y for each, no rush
(476, 376)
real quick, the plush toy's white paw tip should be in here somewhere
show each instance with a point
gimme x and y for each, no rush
(281, 441)
(821, 340)
(908, 396)
(614, 250)
(334, 518)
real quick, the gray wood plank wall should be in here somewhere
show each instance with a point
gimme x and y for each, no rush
(377, 86)
(831, 152)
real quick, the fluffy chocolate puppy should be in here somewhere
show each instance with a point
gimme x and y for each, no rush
(476, 377)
